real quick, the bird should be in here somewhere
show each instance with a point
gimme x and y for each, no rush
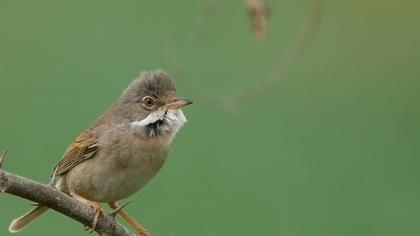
(122, 150)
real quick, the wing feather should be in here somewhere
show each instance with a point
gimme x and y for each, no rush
(83, 148)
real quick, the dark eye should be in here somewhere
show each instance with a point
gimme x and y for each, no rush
(148, 101)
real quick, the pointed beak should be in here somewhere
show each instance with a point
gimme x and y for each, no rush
(178, 103)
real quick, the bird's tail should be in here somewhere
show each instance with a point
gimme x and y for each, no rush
(19, 223)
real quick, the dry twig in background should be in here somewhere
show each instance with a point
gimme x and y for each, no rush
(271, 79)
(258, 11)
(54, 199)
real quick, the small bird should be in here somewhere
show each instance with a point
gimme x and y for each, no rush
(122, 150)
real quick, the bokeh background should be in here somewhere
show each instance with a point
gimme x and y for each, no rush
(333, 149)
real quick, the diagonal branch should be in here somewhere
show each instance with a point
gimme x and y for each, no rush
(59, 201)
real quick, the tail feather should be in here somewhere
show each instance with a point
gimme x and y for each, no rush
(19, 223)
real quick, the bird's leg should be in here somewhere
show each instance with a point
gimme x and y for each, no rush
(142, 231)
(93, 205)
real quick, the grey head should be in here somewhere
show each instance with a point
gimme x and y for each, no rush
(150, 105)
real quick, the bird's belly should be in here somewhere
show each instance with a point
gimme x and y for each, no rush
(102, 179)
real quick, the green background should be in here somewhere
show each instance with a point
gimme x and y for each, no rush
(333, 149)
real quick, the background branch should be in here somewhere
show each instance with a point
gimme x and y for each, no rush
(283, 64)
(59, 201)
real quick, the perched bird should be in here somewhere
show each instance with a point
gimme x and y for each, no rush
(122, 150)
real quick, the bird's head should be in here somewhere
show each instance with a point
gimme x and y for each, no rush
(151, 106)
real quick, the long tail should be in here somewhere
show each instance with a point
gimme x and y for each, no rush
(19, 223)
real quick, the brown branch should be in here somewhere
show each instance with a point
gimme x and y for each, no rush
(279, 70)
(54, 199)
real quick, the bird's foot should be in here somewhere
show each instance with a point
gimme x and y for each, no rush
(97, 209)
(92, 205)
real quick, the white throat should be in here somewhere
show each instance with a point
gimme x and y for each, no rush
(160, 122)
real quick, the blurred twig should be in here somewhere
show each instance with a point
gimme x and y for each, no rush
(284, 63)
(59, 201)
(271, 79)
(258, 11)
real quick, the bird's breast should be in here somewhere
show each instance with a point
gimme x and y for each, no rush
(119, 169)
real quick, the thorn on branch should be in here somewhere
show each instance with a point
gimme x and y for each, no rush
(2, 157)
(115, 211)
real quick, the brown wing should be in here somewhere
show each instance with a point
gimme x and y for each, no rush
(83, 148)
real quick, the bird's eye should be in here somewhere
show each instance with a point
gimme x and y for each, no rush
(148, 101)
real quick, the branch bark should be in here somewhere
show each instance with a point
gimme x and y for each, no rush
(59, 201)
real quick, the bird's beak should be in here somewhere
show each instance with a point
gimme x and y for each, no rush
(178, 103)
